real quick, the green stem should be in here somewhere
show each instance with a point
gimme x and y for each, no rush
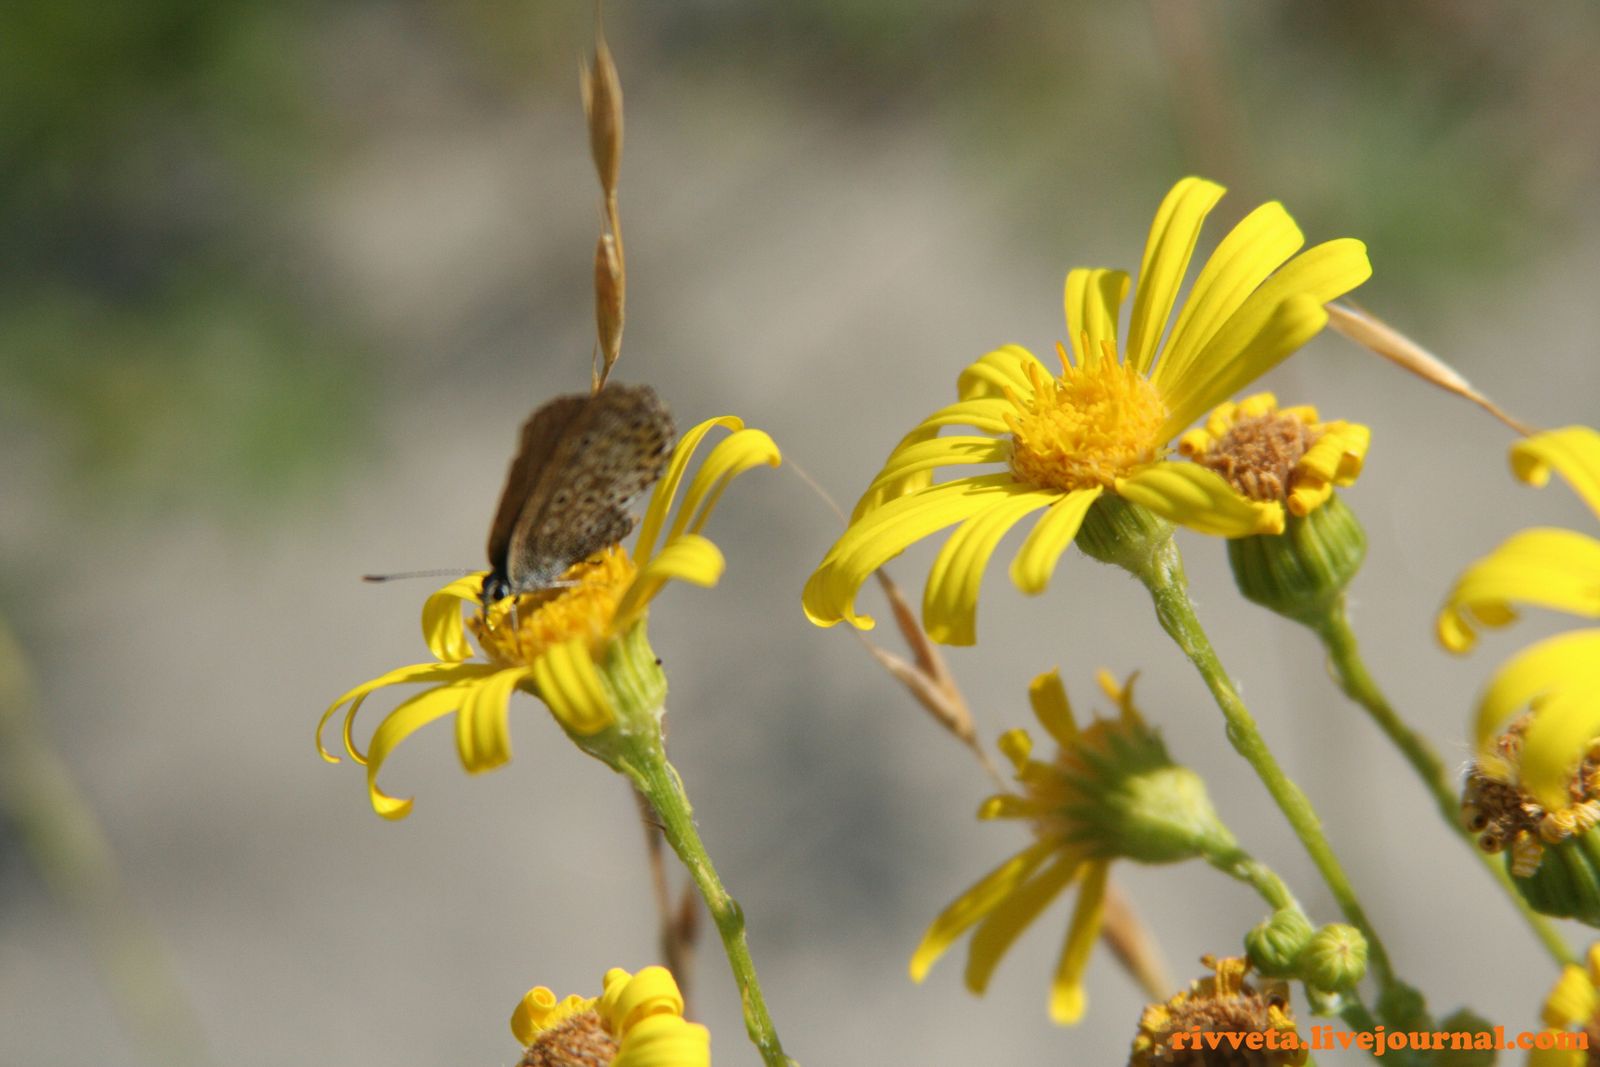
(1350, 671)
(645, 764)
(1162, 573)
(1239, 864)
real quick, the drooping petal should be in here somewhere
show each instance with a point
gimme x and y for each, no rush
(655, 515)
(417, 673)
(1193, 496)
(885, 532)
(740, 451)
(665, 1041)
(950, 599)
(995, 936)
(1569, 661)
(1255, 248)
(1167, 251)
(938, 452)
(1574, 452)
(1279, 317)
(483, 733)
(996, 372)
(441, 618)
(405, 720)
(977, 902)
(986, 414)
(1036, 560)
(1546, 567)
(1066, 989)
(1565, 725)
(686, 558)
(569, 683)
(1048, 697)
(1093, 301)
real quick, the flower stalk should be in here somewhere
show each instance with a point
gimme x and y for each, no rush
(640, 755)
(1350, 672)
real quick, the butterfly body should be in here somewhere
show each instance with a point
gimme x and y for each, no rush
(581, 462)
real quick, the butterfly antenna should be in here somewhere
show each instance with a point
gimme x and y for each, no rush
(415, 574)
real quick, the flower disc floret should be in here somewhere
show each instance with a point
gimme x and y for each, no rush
(1087, 428)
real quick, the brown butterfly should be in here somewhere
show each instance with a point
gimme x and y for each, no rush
(583, 461)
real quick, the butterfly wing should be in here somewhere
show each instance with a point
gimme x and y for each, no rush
(540, 436)
(605, 454)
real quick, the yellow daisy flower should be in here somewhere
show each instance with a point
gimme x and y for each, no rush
(637, 1022)
(1557, 678)
(1287, 455)
(580, 647)
(1226, 1003)
(1571, 1013)
(1105, 423)
(1111, 791)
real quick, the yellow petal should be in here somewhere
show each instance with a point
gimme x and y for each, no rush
(405, 720)
(1568, 661)
(994, 373)
(1093, 300)
(1279, 317)
(740, 451)
(1574, 452)
(1036, 560)
(539, 1010)
(655, 514)
(630, 999)
(665, 1041)
(1011, 916)
(1173, 235)
(938, 452)
(570, 685)
(483, 735)
(1545, 567)
(686, 558)
(950, 600)
(1572, 1002)
(885, 532)
(441, 618)
(1016, 746)
(1245, 258)
(1338, 455)
(1200, 499)
(1564, 727)
(1050, 706)
(987, 414)
(1066, 990)
(423, 673)
(978, 901)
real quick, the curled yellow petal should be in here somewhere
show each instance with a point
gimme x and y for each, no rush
(655, 515)
(686, 558)
(483, 734)
(539, 1010)
(985, 414)
(418, 673)
(628, 1000)
(570, 684)
(1564, 728)
(1192, 496)
(441, 618)
(978, 901)
(996, 372)
(665, 1041)
(1067, 999)
(950, 599)
(405, 720)
(740, 451)
(1574, 452)
(883, 533)
(1543, 566)
(1036, 560)
(937, 452)
(1000, 930)
(1569, 661)
(1173, 236)
(1093, 299)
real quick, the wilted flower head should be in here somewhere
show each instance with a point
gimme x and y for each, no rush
(636, 1022)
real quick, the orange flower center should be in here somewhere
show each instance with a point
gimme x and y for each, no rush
(1087, 428)
(519, 629)
(1258, 454)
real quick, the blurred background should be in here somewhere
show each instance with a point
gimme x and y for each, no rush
(278, 283)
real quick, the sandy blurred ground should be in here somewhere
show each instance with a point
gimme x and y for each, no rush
(824, 272)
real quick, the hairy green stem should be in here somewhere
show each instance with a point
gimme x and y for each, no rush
(1162, 573)
(645, 763)
(1350, 672)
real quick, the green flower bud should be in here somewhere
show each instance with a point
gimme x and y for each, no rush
(1302, 572)
(1126, 535)
(1335, 958)
(1274, 945)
